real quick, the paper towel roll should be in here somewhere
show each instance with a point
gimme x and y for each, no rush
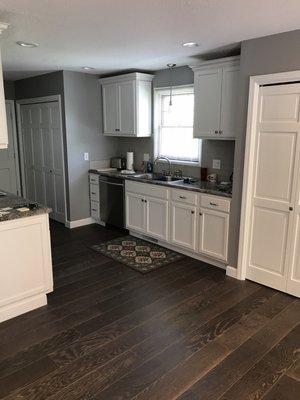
(129, 161)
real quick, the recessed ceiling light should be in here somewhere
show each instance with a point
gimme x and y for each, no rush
(26, 44)
(190, 44)
(88, 68)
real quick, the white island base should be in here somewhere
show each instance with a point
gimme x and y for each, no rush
(25, 265)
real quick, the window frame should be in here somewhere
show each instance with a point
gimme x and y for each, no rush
(158, 94)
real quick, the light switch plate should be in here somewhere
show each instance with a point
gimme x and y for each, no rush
(86, 156)
(216, 164)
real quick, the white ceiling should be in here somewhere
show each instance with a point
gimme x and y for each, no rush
(114, 35)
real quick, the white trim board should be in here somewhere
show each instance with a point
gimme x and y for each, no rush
(79, 222)
(231, 271)
(254, 85)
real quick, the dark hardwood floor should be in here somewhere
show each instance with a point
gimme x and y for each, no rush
(185, 331)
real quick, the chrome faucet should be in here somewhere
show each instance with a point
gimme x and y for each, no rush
(166, 159)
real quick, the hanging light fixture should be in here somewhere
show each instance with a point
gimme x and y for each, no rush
(171, 67)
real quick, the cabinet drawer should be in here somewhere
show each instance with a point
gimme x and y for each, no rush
(94, 179)
(215, 203)
(184, 196)
(94, 192)
(95, 210)
(147, 189)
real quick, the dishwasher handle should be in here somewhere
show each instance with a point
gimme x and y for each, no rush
(111, 183)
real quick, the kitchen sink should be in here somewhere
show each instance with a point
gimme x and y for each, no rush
(158, 178)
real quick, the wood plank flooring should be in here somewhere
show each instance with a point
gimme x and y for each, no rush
(185, 331)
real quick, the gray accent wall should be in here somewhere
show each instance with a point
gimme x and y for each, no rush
(222, 150)
(9, 90)
(83, 116)
(266, 55)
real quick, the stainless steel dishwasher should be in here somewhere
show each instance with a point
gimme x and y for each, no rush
(112, 200)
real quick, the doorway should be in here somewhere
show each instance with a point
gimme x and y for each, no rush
(42, 153)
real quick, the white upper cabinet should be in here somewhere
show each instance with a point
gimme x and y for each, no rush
(127, 105)
(3, 123)
(216, 86)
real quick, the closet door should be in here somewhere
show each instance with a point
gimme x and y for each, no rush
(274, 185)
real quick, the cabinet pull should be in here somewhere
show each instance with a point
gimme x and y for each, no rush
(117, 130)
(93, 192)
(200, 214)
(145, 201)
(213, 204)
(220, 132)
(93, 209)
(142, 200)
(291, 208)
(192, 212)
(216, 132)
(182, 197)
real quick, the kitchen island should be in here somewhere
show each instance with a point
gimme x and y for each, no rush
(25, 256)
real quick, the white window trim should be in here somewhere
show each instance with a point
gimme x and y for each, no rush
(157, 111)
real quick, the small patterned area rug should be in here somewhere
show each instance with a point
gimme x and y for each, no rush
(137, 253)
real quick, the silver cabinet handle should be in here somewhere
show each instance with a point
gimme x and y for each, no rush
(213, 204)
(182, 197)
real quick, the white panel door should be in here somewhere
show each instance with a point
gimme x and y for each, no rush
(157, 217)
(110, 108)
(183, 225)
(207, 87)
(43, 156)
(274, 186)
(135, 212)
(230, 98)
(126, 92)
(8, 164)
(213, 233)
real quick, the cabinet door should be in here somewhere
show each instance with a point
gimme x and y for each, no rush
(207, 88)
(126, 92)
(157, 217)
(183, 225)
(213, 233)
(110, 108)
(229, 103)
(3, 123)
(135, 212)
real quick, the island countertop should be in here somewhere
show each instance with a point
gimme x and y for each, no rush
(10, 203)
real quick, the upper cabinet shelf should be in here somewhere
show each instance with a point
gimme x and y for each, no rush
(127, 105)
(216, 87)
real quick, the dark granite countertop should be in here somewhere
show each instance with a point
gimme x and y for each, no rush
(198, 186)
(9, 204)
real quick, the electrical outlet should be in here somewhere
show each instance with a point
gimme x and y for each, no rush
(86, 156)
(146, 157)
(216, 164)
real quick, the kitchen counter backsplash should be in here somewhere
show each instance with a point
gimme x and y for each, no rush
(14, 207)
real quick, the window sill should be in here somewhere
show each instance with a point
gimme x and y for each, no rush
(178, 162)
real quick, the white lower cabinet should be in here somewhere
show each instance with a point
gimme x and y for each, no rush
(135, 212)
(157, 217)
(213, 233)
(183, 225)
(187, 220)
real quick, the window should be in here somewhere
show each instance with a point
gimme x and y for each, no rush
(174, 125)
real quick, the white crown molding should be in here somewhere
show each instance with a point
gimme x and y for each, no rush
(232, 61)
(3, 26)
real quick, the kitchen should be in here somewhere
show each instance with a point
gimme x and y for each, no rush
(114, 173)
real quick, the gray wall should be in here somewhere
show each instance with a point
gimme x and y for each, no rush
(266, 55)
(9, 90)
(222, 150)
(83, 115)
(39, 86)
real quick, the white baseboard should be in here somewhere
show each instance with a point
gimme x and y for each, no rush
(231, 271)
(22, 306)
(79, 222)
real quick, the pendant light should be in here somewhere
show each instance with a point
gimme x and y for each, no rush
(171, 67)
